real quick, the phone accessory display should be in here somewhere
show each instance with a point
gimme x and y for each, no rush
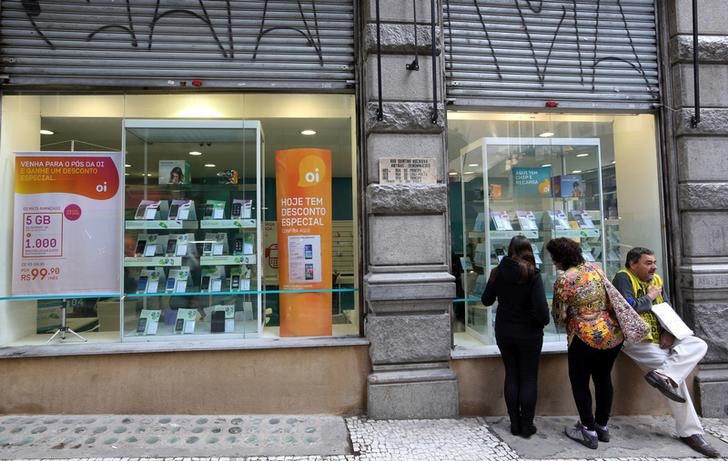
(148, 322)
(500, 220)
(177, 280)
(211, 279)
(558, 219)
(151, 209)
(149, 280)
(148, 245)
(527, 220)
(241, 209)
(214, 209)
(215, 244)
(181, 210)
(583, 219)
(188, 319)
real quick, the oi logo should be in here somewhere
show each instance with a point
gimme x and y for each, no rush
(311, 171)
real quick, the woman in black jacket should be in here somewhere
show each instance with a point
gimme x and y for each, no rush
(520, 318)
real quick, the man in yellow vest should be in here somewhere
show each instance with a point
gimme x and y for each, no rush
(667, 360)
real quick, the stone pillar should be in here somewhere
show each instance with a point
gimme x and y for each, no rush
(408, 289)
(697, 157)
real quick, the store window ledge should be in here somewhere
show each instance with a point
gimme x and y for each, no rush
(73, 349)
(491, 350)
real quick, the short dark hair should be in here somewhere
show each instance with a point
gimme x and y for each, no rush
(635, 254)
(565, 252)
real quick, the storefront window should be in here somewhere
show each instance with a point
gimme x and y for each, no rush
(590, 178)
(196, 239)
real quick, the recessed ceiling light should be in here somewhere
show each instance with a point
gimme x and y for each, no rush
(545, 165)
(576, 171)
(308, 132)
(613, 162)
(149, 175)
(584, 154)
(469, 172)
(195, 152)
(210, 165)
(127, 165)
(453, 173)
(473, 164)
(546, 134)
(47, 132)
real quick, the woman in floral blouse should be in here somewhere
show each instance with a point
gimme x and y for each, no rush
(581, 303)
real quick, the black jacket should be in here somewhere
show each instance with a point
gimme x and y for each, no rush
(522, 308)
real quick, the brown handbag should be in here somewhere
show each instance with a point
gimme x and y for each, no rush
(634, 329)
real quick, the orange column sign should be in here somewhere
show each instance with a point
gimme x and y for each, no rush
(303, 197)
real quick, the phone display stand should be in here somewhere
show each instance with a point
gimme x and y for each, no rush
(60, 333)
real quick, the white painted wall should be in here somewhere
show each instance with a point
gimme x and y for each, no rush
(635, 146)
(19, 131)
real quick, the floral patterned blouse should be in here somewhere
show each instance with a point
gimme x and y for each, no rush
(581, 303)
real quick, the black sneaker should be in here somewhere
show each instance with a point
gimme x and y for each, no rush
(579, 433)
(602, 433)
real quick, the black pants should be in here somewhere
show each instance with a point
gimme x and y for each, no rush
(585, 362)
(520, 389)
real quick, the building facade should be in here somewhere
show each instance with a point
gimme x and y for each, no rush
(446, 126)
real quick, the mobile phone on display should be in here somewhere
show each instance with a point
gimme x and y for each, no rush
(141, 245)
(179, 325)
(173, 209)
(171, 247)
(207, 248)
(208, 211)
(308, 251)
(238, 246)
(141, 209)
(142, 284)
(235, 282)
(205, 283)
(171, 282)
(237, 210)
(141, 325)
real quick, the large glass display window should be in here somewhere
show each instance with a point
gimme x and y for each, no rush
(202, 248)
(590, 178)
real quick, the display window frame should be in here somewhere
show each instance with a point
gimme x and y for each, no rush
(338, 111)
(472, 134)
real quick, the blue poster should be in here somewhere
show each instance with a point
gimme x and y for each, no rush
(532, 182)
(568, 185)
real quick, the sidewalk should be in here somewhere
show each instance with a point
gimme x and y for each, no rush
(321, 437)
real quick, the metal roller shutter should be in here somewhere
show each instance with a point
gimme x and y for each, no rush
(281, 44)
(583, 54)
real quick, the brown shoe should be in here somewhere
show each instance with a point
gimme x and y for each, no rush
(663, 384)
(699, 444)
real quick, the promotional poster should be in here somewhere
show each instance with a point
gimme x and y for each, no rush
(67, 221)
(303, 195)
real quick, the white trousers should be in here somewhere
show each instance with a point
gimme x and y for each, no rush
(677, 363)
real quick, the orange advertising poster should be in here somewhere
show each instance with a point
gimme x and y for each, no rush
(303, 204)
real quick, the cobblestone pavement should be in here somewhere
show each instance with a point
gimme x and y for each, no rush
(325, 438)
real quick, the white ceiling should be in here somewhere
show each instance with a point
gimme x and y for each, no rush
(224, 148)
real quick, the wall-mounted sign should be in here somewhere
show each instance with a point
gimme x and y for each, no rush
(407, 171)
(67, 221)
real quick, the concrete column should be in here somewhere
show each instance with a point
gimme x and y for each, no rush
(407, 286)
(697, 155)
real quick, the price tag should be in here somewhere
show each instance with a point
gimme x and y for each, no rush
(42, 235)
